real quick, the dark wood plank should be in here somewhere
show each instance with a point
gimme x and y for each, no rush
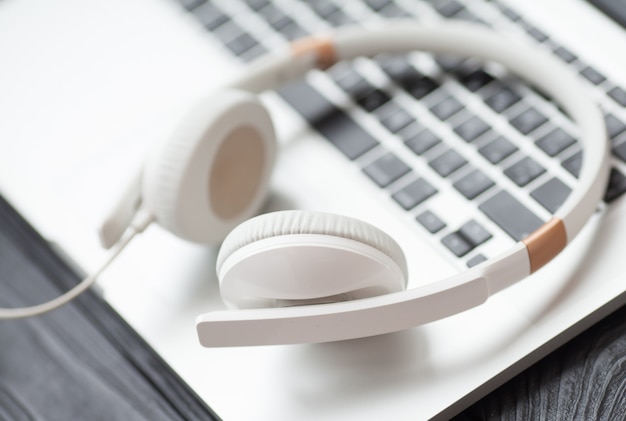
(81, 361)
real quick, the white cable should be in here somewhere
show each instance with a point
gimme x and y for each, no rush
(140, 222)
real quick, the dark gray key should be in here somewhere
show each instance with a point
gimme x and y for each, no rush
(497, 150)
(528, 120)
(293, 31)
(614, 126)
(372, 99)
(474, 233)
(511, 215)
(616, 187)
(276, 18)
(449, 62)
(257, 4)
(509, 13)
(475, 80)
(282, 23)
(476, 260)
(394, 11)
(620, 151)
(551, 194)
(366, 95)
(618, 94)
(414, 194)
(191, 4)
(565, 54)
(377, 4)
(420, 86)
(397, 120)
(446, 108)
(404, 74)
(555, 142)
(468, 237)
(456, 244)
(449, 8)
(386, 169)
(210, 16)
(422, 141)
(241, 44)
(398, 69)
(503, 98)
(447, 163)
(253, 53)
(473, 184)
(573, 163)
(430, 221)
(524, 171)
(352, 82)
(592, 75)
(332, 123)
(338, 18)
(323, 8)
(536, 33)
(471, 129)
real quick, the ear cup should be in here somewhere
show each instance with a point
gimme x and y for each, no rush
(214, 171)
(299, 257)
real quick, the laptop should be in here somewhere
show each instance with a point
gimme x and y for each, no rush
(88, 87)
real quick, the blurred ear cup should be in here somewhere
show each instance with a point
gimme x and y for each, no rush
(214, 171)
(300, 257)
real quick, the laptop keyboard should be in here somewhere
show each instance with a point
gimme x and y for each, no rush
(429, 131)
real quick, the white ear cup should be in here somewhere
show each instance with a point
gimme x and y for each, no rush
(214, 171)
(299, 257)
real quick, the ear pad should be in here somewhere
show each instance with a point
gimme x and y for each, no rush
(214, 171)
(300, 257)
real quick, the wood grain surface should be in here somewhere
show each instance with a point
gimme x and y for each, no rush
(82, 361)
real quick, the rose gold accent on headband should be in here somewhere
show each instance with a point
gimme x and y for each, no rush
(545, 243)
(322, 48)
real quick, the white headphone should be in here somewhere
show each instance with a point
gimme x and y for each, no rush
(214, 174)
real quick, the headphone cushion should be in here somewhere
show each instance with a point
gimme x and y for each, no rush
(309, 222)
(213, 172)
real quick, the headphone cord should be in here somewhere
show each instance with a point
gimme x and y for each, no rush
(140, 222)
